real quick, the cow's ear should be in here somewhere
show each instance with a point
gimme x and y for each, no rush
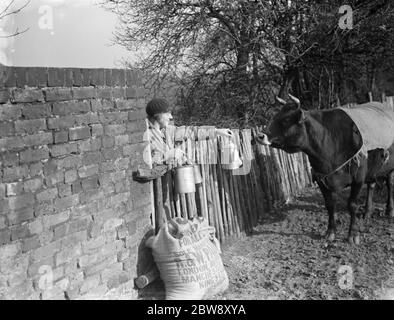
(301, 116)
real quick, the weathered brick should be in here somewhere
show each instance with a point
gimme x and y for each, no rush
(138, 137)
(88, 171)
(36, 111)
(76, 187)
(15, 188)
(6, 129)
(67, 202)
(77, 77)
(21, 76)
(137, 115)
(38, 139)
(55, 219)
(36, 169)
(114, 129)
(118, 77)
(64, 190)
(46, 237)
(136, 126)
(4, 96)
(54, 178)
(41, 267)
(58, 94)
(90, 183)
(104, 93)
(9, 159)
(3, 189)
(4, 207)
(66, 108)
(32, 185)
(5, 237)
(15, 173)
(91, 246)
(90, 283)
(86, 119)
(135, 150)
(112, 154)
(86, 75)
(106, 167)
(11, 143)
(84, 93)
(46, 251)
(3, 222)
(71, 227)
(47, 195)
(91, 158)
(61, 136)
(34, 155)
(121, 140)
(118, 93)
(56, 77)
(125, 104)
(92, 195)
(36, 226)
(70, 176)
(112, 223)
(123, 255)
(112, 117)
(68, 254)
(122, 163)
(108, 142)
(88, 260)
(30, 244)
(43, 208)
(63, 149)
(91, 270)
(19, 232)
(21, 201)
(97, 130)
(72, 161)
(61, 123)
(112, 271)
(37, 77)
(10, 250)
(10, 112)
(27, 95)
(30, 126)
(74, 239)
(118, 176)
(79, 133)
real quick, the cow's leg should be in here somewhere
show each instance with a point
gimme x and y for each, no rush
(330, 202)
(369, 203)
(390, 201)
(354, 228)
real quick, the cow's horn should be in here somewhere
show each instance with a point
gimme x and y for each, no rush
(295, 99)
(280, 100)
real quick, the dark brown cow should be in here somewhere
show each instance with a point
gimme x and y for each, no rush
(330, 139)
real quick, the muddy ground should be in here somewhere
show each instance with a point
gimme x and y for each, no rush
(287, 256)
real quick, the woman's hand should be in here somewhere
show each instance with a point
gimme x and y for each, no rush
(225, 133)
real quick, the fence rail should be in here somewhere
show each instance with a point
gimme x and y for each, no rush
(233, 201)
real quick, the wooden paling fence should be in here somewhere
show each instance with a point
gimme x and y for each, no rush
(233, 201)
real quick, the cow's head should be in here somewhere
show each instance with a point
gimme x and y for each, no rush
(287, 129)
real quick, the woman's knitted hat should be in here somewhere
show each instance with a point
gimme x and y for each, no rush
(156, 106)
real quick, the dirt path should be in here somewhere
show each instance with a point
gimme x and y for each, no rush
(287, 257)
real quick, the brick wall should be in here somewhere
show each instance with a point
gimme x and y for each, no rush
(71, 216)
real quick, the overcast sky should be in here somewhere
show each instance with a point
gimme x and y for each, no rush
(79, 35)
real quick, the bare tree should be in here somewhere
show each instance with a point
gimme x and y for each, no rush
(232, 57)
(10, 10)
